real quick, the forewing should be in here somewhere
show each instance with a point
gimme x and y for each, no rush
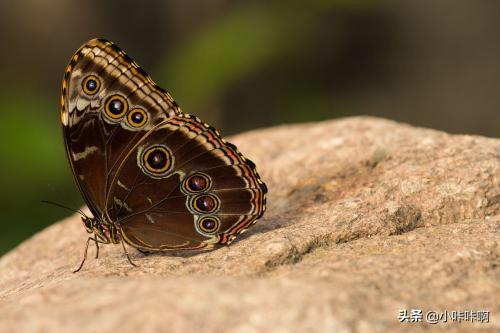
(97, 131)
(183, 187)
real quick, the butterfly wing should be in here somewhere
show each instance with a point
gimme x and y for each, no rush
(108, 103)
(183, 187)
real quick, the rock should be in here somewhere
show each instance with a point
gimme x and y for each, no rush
(366, 217)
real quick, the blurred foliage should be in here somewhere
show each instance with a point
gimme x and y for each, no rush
(34, 167)
(241, 65)
(248, 40)
(233, 47)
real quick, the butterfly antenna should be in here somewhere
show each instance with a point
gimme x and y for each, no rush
(79, 211)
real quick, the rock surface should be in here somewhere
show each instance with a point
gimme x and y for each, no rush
(366, 217)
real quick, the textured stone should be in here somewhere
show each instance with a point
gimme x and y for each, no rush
(365, 217)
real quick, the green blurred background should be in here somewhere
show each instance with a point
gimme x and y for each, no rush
(240, 65)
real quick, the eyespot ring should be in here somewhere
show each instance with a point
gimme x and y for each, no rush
(137, 117)
(196, 183)
(208, 224)
(205, 203)
(91, 85)
(116, 107)
(156, 161)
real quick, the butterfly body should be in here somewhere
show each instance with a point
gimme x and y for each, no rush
(152, 176)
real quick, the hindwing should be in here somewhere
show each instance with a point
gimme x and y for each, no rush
(183, 187)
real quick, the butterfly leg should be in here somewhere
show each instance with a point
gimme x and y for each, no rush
(96, 249)
(99, 239)
(86, 250)
(85, 254)
(126, 253)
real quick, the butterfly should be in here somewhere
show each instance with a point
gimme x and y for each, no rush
(152, 176)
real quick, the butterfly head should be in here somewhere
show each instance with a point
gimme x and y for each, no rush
(89, 223)
(104, 231)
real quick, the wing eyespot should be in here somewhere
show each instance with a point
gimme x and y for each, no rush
(205, 203)
(156, 161)
(208, 224)
(116, 107)
(196, 183)
(91, 85)
(137, 117)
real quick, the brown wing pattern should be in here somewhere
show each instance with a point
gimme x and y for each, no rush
(108, 103)
(183, 187)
